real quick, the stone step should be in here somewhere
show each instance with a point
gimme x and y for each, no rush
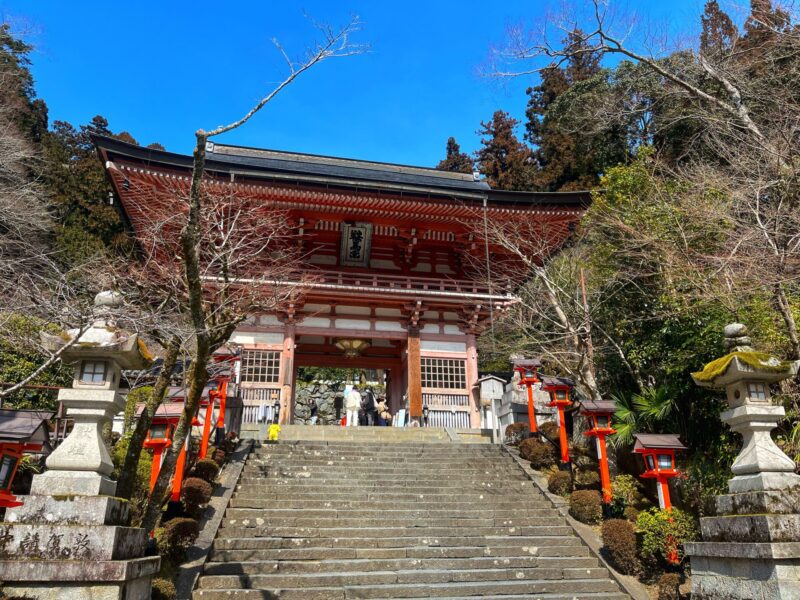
(523, 493)
(268, 543)
(258, 502)
(227, 531)
(377, 468)
(263, 567)
(373, 449)
(341, 594)
(417, 552)
(383, 521)
(277, 515)
(383, 483)
(395, 576)
(568, 588)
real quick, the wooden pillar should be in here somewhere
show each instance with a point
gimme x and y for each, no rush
(472, 379)
(414, 371)
(286, 376)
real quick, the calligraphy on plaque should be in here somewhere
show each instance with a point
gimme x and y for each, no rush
(356, 244)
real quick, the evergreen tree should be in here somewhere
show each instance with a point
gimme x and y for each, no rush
(16, 86)
(565, 159)
(79, 190)
(455, 160)
(718, 30)
(505, 161)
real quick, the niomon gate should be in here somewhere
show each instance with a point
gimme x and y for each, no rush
(388, 253)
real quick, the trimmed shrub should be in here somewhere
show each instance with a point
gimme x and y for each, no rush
(619, 538)
(163, 589)
(219, 456)
(560, 483)
(664, 532)
(195, 494)
(541, 454)
(206, 469)
(515, 432)
(631, 513)
(551, 431)
(585, 506)
(668, 585)
(587, 480)
(176, 537)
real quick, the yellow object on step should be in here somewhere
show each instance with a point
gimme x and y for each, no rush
(272, 432)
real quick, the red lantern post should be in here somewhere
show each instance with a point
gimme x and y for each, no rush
(598, 414)
(559, 390)
(159, 439)
(21, 431)
(658, 451)
(528, 377)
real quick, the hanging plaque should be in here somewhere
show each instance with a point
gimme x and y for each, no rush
(356, 244)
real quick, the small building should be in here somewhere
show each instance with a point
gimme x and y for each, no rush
(21, 431)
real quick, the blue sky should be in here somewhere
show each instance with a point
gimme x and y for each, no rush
(162, 69)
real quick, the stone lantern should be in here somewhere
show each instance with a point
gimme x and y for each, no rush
(81, 464)
(751, 548)
(71, 537)
(746, 375)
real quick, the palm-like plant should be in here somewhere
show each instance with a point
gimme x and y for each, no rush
(653, 409)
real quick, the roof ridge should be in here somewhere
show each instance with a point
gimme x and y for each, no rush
(249, 151)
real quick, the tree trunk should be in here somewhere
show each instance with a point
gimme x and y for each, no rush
(127, 476)
(198, 377)
(788, 318)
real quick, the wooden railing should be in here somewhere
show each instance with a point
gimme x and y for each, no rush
(400, 282)
(259, 404)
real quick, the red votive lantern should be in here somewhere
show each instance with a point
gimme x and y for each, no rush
(658, 451)
(527, 369)
(598, 414)
(560, 398)
(159, 438)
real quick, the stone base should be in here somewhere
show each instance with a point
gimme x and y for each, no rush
(775, 502)
(744, 571)
(80, 580)
(71, 510)
(72, 483)
(764, 481)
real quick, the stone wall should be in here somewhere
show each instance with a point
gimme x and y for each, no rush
(325, 393)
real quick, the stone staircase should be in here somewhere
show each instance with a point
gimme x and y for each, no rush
(373, 518)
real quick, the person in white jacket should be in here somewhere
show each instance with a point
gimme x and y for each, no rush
(352, 404)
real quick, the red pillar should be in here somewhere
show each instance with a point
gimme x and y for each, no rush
(177, 481)
(605, 478)
(207, 424)
(414, 375)
(562, 434)
(663, 484)
(531, 412)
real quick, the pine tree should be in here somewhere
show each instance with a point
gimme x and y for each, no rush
(505, 161)
(455, 160)
(16, 86)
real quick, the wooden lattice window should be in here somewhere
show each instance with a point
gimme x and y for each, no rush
(444, 373)
(260, 366)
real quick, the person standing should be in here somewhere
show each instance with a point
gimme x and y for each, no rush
(352, 405)
(314, 412)
(370, 407)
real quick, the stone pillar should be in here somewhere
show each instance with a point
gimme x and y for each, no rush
(70, 537)
(414, 375)
(472, 378)
(751, 548)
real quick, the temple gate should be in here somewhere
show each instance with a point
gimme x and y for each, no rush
(389, 269)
